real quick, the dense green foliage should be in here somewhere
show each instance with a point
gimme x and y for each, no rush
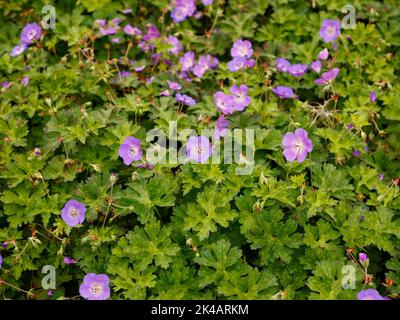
(191, 231)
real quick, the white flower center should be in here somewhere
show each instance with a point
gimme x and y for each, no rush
(331, 31)
(243, 51)
(96, 289)
(73, 213)
(133, 151)
(198, 150)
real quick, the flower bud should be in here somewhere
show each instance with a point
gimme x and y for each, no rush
(364, 260)
(113, 178)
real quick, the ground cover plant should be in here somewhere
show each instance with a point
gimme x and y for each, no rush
(114, 121)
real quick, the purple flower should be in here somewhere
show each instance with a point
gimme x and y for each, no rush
(207, 2)
(183, 75)
(164, 93)
(1, 261)
(284, 92)
(323, 54)
(5, 84)
(369, 294)
(364, 260)
(372, 96)
(224, 102)
(150, 80)
(250, 63)
(237, 63)
(182, 10)
(297, 70)
(198, 149)
(25, 81)
(130, 150)
(174, 85)
(101, 22)
(362, 257)
(242, 48)
(210, 61)
(145, 165)
(109, 30)
(50, 293)
(4, 244)
(282, 65)
(221, 126)
(73, 213)
(151, 33)
(330, 30)
(115, 21)
(132, 31)
(17, 50)
(183, 98)
(95, 287)
(125, 73)
(350, 126)
(127, 11)
(30, 33)
(139, 69)
(37, 152)
(356, 153)
(328, 77)
(199, 70)
(316, 66)
(155, 57)
(381, 176)
(296, 145)
(68, 260)
(176, 45)
(239, 96)
(187, 61)
(115, 40)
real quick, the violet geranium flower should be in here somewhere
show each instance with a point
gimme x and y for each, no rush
(130, 150)
(284, 92)
(95, 287)
(182, 10)
(369, 294)
(330, 30)
(237, 63)
(316, 66)
(187, 61)
(323, 54)
(25, 81)
(242, 48)
(296, 145)
(73, 213)
(224, 102)
(198, 149)
(328, 77)
(176, 45)
(17, 50)
(372, 96)
(239, 96)
(68, 260)
(282, 65)
(132, 31)
(174, 85)
(185, 99)
(30, 33)
(221, 127)
(297, 70)
(1, 261)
